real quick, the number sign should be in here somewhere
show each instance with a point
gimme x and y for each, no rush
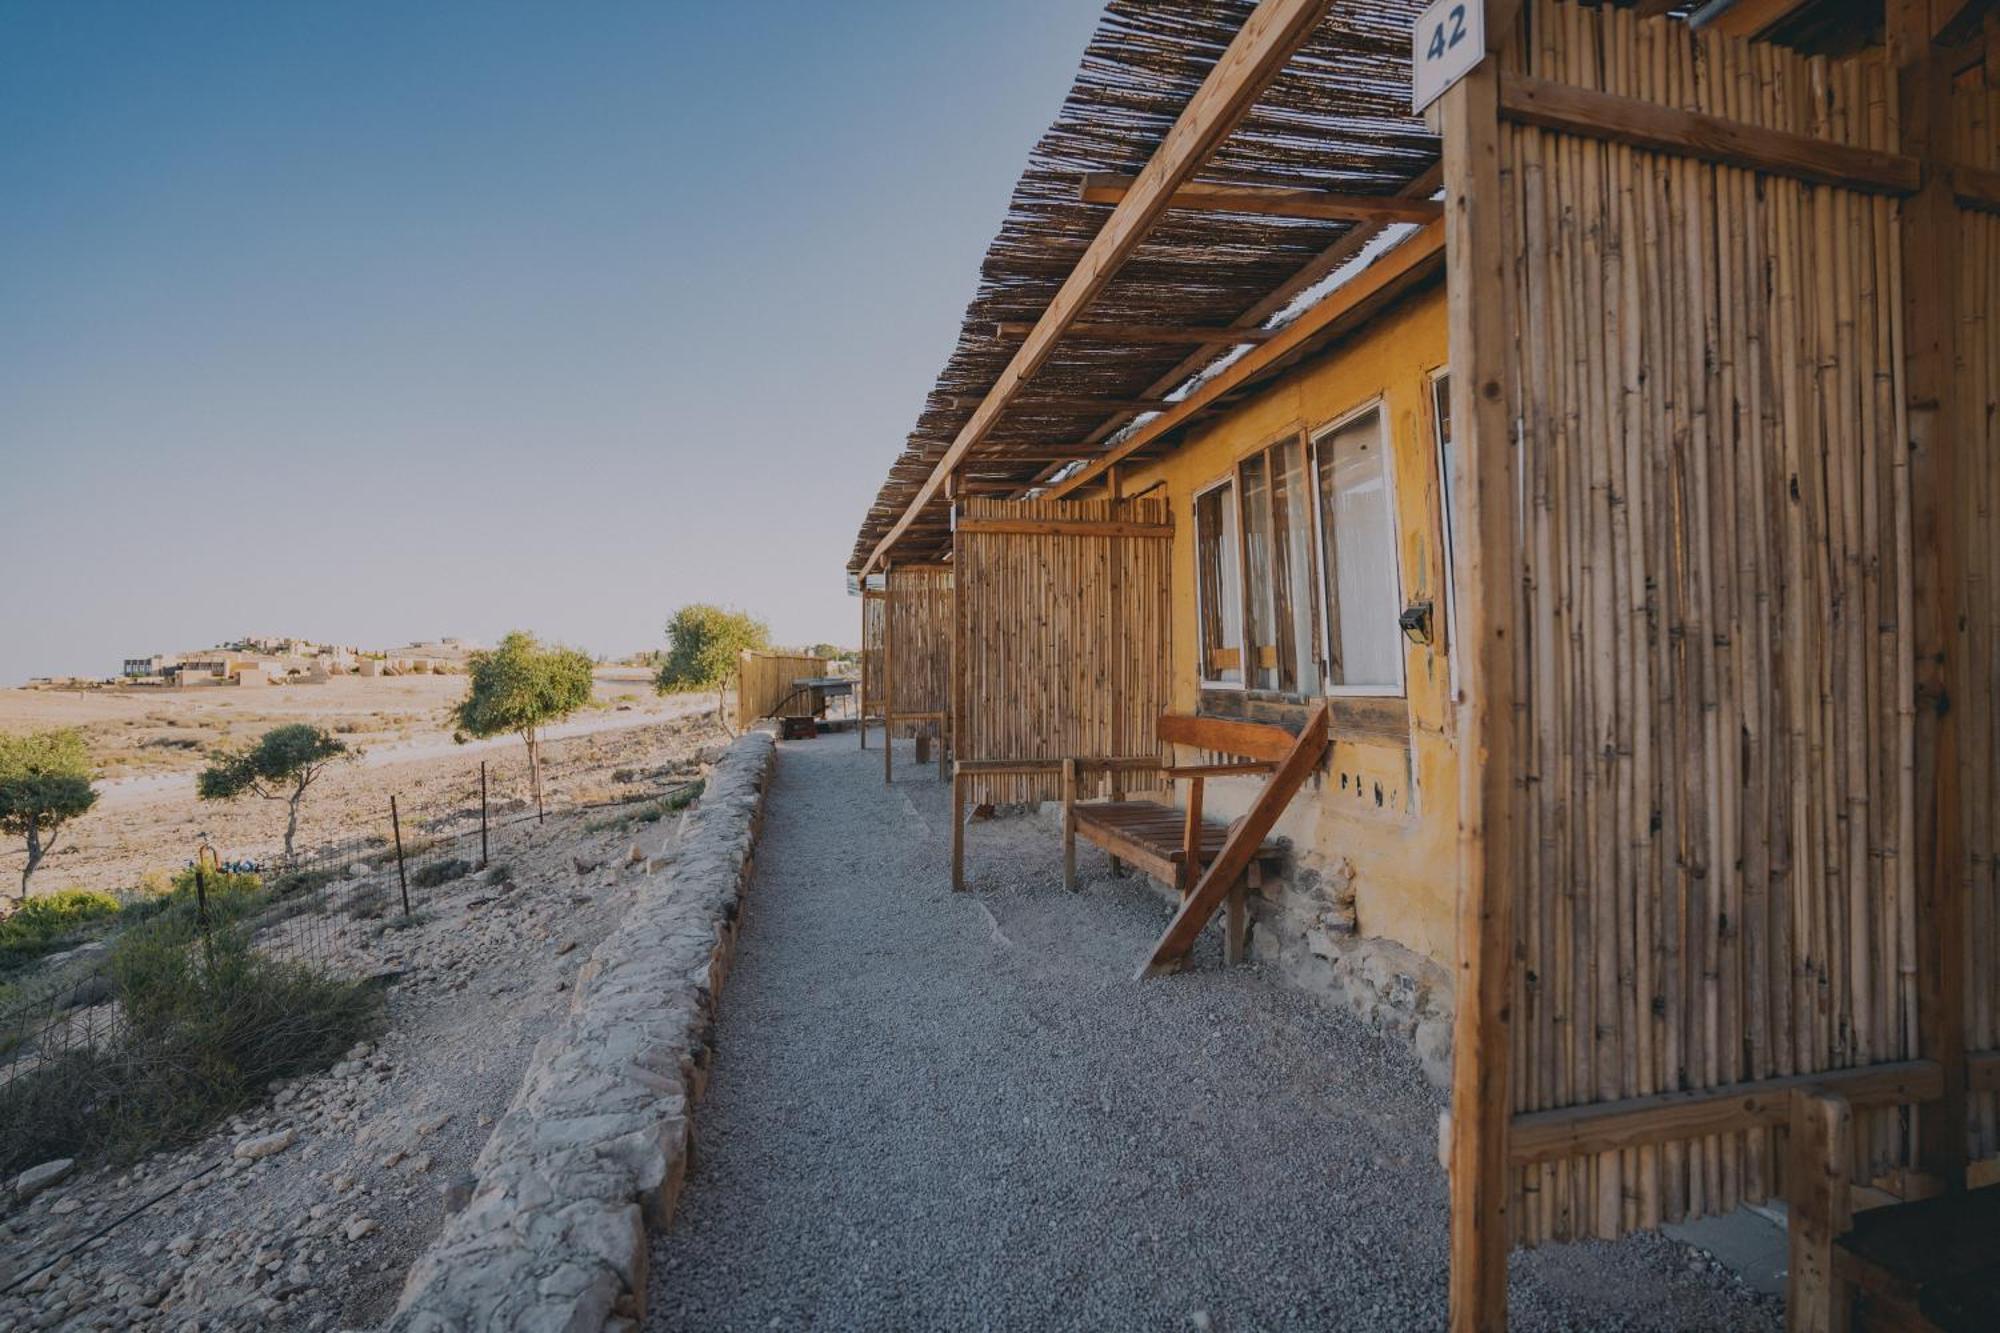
(1450, 38)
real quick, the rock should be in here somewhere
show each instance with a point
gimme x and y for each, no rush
(565, 947)
(432, 1124)
(357, 1227)
(584, 865)
(458, 1192)
(265, 1145)
(64, 1207)
(38, 1178)
(390, 1159)
(636, 856)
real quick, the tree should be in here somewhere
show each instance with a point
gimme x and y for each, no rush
(279, 767)
(703, 643)
(521, 687)
(44, 783)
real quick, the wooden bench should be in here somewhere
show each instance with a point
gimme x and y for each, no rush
(1179, 846)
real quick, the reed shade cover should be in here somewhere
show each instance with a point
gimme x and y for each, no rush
(1063, 640)
(1337, 118)
(873, 603)
(1717, 880)
(1977, 138)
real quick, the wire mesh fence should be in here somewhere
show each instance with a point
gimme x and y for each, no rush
(258, 948)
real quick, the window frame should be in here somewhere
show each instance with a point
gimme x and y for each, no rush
(1440, 380)
(1317, 437)
(1233, 543)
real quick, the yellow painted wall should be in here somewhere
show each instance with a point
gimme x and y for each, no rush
(1402, 852)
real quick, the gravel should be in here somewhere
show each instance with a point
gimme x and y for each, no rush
(932, 1111)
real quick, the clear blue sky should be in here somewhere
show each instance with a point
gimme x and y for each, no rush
(380, 321)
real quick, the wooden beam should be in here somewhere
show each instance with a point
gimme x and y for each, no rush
(1104, 187)
(1976, 187)
(1677, 1117)
(1268, 38)
(1955, 21)
(1931, 282)
(1479, 330)
(1744, 18)
(1169, 335)
(1390, 275)
(1058, 527)
(1059, 403)
(1664, 129)
(1982, 1071)
(1246, 835)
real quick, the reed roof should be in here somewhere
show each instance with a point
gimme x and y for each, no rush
(1337, 118)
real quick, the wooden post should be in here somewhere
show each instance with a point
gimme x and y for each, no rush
(1488, 585)
(1191, 839)
(861, 712)
(1931, 282)
(888, 672)
(958, 781)
(1822, 1126)
(1069, 823)
(1236, 923)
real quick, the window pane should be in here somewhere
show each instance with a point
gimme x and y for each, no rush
(1291, 498)
(1363, 596)
(1221, 590)
(1260, 642)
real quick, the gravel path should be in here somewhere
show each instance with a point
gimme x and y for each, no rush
(939, 1112)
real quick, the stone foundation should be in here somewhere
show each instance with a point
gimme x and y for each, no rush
(593, 1150)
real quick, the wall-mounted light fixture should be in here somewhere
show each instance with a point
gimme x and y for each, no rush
(1416, 622)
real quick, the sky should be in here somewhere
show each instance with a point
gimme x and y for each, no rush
(380, 322)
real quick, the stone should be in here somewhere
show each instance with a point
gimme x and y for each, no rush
(38, 1178)
(65, 1206)
(266, 1145)
(183, 1244)
(357, 1227)
(432, 1124)
(458, 1191)
(565, 947)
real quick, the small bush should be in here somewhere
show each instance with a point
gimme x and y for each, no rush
(209, 1025)
(46, 924)
(440, 872)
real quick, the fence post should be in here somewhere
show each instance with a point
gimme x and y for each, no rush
(402, 877)
(201, 913)
(482, 814)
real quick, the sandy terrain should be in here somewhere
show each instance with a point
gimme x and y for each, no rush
(149, 820)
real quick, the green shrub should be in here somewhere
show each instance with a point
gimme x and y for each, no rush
(48, 923)
(209, 1025)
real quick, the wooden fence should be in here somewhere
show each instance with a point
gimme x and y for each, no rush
(764, 682)
(1064, 610)
(916, 656)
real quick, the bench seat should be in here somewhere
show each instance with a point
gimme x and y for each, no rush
(1150, 835)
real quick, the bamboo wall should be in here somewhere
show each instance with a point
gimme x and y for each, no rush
(1064, 638)
(872, 602)
(763, 680)
(1978, 145)
(917, 606)
(1718, 884)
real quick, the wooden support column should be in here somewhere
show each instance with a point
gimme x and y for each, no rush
(861, 708)
(888, 673)
(1820, 1204)
(1931, 280)
(1488, 572)
(958, 781)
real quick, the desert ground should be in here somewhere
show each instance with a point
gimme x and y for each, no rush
(148, 745)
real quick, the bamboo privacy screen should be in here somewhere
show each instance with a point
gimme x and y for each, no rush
(916, 656)
(1978, 145)
(1716, 663)
(872, 602)
(1064, 647)
(764, 681)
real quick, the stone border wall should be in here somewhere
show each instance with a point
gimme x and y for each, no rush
(593, 1150)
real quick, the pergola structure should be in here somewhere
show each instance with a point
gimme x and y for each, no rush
(1724, 395)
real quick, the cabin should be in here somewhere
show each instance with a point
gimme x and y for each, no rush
(1507, 541)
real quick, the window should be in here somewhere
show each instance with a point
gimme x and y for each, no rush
(1277, 563)
(1219, 586)
(1357, 526)
(1447, 466)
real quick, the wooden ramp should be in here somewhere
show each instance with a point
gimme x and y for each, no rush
(1246, 838)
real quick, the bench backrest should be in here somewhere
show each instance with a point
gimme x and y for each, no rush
(1252, 740)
